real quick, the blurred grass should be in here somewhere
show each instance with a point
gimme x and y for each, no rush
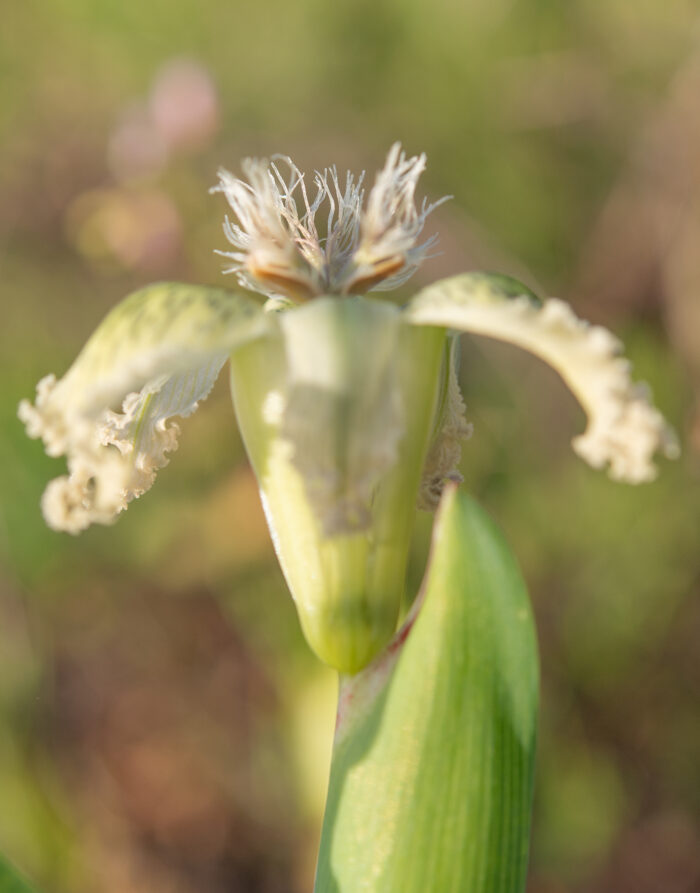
(154, 687)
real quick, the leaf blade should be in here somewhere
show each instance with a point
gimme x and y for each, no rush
(431, 780)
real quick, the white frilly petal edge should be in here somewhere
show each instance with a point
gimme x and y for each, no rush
(114, 457)
(624, 429)
(157, 355)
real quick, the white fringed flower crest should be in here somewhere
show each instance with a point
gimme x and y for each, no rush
(280, 249)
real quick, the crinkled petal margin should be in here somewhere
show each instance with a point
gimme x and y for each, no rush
(155, 356)
(624, 429)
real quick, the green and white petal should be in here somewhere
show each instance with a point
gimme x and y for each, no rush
(155, 356)
(343, 417)
(336, 410)
(624, 429)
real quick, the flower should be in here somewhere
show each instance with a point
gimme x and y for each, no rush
(349, 406)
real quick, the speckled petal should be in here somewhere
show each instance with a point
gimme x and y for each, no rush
(624, 429)
(156, 355)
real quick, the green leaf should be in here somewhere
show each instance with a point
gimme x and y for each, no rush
(11, 881)
(432, 771)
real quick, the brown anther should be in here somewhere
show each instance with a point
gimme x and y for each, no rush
(299, 288)
(381, 270)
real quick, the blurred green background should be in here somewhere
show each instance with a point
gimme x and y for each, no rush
(163, 726)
